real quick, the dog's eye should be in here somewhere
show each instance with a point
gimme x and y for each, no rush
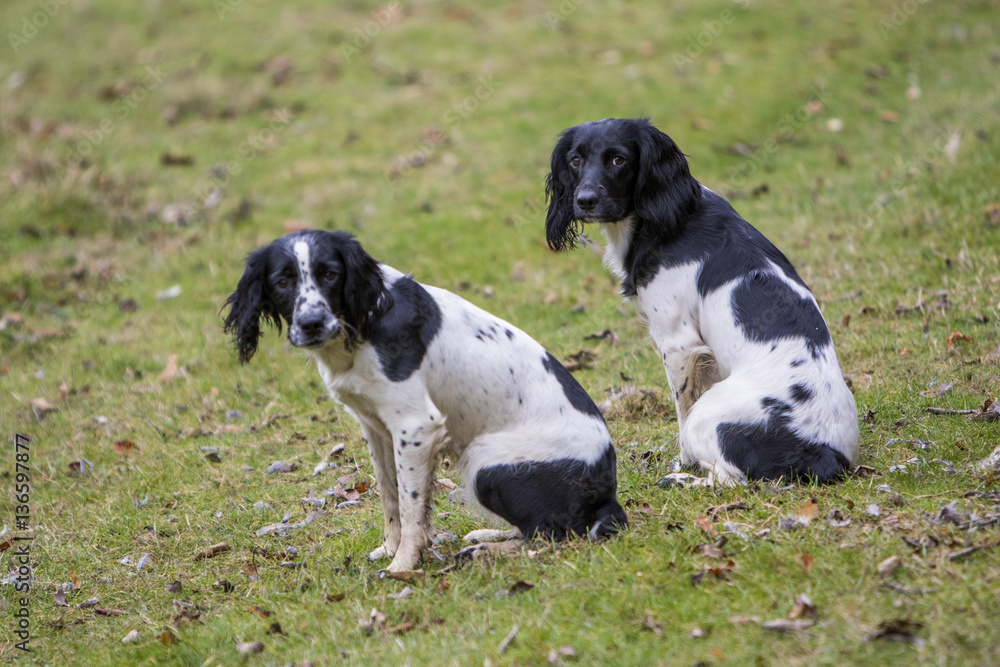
(618, 160)
(282, 284)
(330, 276)
(574, 162)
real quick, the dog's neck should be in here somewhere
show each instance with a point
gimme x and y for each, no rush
(619, 236)
(333, 359)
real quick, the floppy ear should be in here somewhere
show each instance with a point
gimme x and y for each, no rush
(665, 191)
(561, 227)
(364, 297)
(248, 304)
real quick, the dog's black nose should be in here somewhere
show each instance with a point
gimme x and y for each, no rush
(312, 326)
(586, 199)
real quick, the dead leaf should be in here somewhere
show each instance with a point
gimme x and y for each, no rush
(75, 580)
(408, 576)
(88, 603)
(402, 628)
(887, 116)
(249, 648)
(123, 447)
(957, 337)
(168, 637)
(809, 510)
(804, 608)
(103, 611)
(888, 566)
(170, 372)
(61, 598)
(174, 587)
(725, 509)
(720, 571)
(652, 624)
(807, 562)
(132, 637)
(565, 651)
(607, 334)
(705, 523)
(520, 587)
(213, 551)
(334, 597)
(375, 620)
(41, 408)
(260, 611)
(898, 630)
(176, 160)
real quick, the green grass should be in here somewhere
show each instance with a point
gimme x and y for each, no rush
(875, 216)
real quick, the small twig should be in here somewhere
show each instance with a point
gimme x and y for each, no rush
(508, 640)
(946, 411)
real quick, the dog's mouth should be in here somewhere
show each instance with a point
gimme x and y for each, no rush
(315, 339)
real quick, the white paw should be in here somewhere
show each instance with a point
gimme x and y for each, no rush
(491, 535)
(403, 562)
(380, 553)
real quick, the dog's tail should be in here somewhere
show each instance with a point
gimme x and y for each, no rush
(610, 519)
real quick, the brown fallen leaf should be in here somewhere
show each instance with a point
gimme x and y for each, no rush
(402, 628)
(725, 509)
(804, 608)
(807, 562)
(705, 523)
(409, 576)
(720, 571)
(744, 619)
(889, 566)
(809, 510)
(213, 551)
(61, 598)
(75, 580)
(260, 611)
(957, 337)
(123, 447)
(170, 372)
(41, 408)
(167, 637)
(334, 597)
(174, 587)
(104, 611)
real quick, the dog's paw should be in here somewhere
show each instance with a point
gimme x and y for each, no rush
(679, 465)
(682, 480)
(511, 546)
(490, 535)
(380, 553)
(403, 561)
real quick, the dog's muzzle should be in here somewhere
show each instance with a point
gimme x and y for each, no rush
(313, 330)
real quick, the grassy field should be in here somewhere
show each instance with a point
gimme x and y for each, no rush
(146, 147)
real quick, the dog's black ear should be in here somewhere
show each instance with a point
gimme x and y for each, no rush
(665, 191)
(248, 304)
(364, 296)
(561, 227)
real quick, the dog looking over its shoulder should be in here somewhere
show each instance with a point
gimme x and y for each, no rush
(427, 374)
(749, 359)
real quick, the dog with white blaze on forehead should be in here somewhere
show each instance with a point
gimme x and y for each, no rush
(749, 359)
(427, 374)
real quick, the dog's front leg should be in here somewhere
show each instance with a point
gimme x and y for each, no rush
(380, 448)
(691, 369)
(415, 446)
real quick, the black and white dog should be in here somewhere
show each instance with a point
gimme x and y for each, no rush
(428, 374)
(749, 359)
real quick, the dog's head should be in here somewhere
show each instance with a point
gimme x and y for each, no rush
(323, 285)
(608, 170)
